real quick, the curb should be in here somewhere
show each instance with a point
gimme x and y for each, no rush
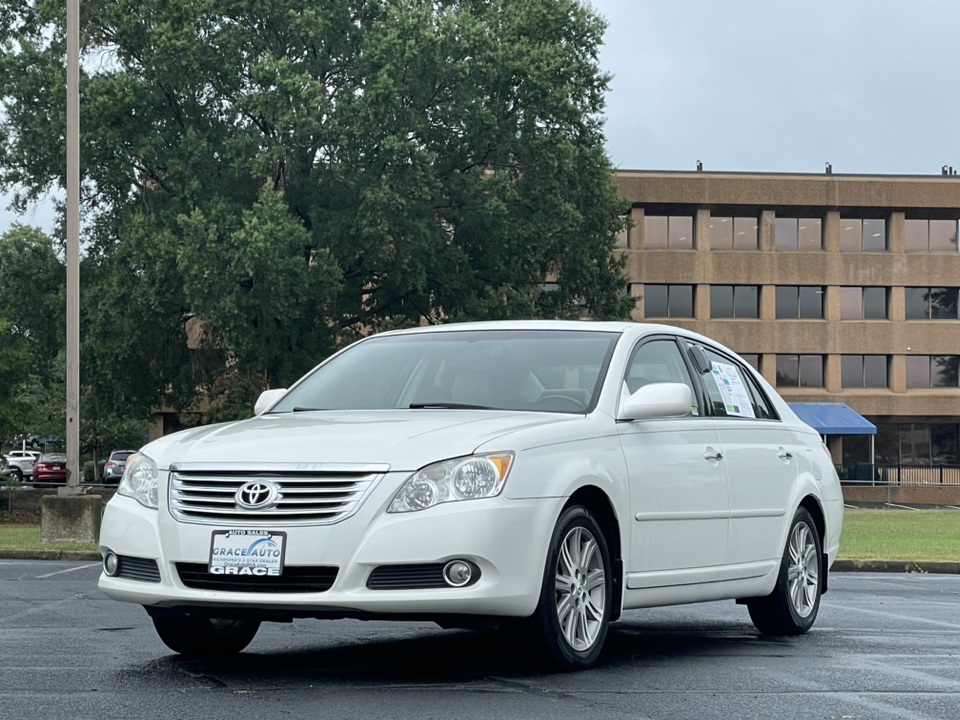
(897, 566)
(839, 566)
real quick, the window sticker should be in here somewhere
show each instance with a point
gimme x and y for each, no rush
(734, 394)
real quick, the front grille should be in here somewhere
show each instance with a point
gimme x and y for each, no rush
(134, 568)
(308, 493)
(407, 577)
(295, 579)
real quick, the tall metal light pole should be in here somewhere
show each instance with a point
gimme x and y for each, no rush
(73, 249)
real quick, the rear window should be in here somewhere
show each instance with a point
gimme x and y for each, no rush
(120, 455)
(53, 458)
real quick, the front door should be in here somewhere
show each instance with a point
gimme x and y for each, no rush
(678, 484)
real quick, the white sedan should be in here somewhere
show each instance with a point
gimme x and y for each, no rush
(542, 474)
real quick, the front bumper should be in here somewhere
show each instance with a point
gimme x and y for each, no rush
(506, 539)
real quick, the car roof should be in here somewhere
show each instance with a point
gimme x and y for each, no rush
(623, 327)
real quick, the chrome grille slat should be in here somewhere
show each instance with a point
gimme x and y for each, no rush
(308, 494)
(206, 498)
(271, 513)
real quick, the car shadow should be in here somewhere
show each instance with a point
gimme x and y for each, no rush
(424, 656)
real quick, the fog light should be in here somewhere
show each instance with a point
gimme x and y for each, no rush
(111, 564)
(457, 573)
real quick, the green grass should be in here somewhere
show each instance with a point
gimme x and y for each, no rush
(915, 535)
(27, 537)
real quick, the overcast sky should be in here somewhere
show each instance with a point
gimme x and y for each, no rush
(774, 86)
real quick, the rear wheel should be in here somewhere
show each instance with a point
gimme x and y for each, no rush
(793, 605)
(205, 636)
(17, 474)
(571, 620)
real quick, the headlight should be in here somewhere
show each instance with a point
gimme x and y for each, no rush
(469, 478)
(140, 480)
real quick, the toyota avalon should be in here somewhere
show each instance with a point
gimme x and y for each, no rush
(544, 474)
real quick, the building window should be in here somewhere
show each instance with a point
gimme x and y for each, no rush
(916, 444)
(804, 302)
(752, 359)
(863, 235)
(933, 371)
(863, 303)
(935, 236)
(735, 301)
(864, 371)
(800, 371)
(734, 233)
(799, 234)
(673, 232)
(668, 301)
(931, 303)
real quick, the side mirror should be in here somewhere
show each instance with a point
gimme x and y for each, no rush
(657, 400)
(268, 399)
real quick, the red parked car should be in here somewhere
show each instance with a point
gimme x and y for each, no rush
(51, 468)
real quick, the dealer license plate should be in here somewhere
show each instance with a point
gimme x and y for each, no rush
(247, 552)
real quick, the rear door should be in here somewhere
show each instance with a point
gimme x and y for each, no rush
(759, 458)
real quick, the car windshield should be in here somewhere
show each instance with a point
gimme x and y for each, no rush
(549, 371)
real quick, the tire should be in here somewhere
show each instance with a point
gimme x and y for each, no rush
(17, 474)
(206, 637)
(793, 605)
(570, 623)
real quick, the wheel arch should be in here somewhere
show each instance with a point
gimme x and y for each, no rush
(598, 503)
(812, 506)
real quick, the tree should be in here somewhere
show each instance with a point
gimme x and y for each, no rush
(286, 176)
(13, 375)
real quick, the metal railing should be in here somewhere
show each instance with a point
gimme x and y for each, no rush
(878, 474)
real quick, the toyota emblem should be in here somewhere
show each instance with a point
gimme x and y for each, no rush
(257, 495)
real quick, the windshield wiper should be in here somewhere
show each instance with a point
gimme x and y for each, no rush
(303, 409)
(448, 406)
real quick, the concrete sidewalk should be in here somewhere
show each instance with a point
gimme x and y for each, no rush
(890, 566)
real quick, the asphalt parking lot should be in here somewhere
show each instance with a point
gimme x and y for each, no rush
(885, 646)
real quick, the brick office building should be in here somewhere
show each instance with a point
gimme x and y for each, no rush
(838, 288)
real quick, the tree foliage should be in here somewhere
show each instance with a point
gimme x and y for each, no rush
(266, 180)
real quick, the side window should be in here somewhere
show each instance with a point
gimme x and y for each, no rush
(761, 406)
(659, 361)
(731, 391)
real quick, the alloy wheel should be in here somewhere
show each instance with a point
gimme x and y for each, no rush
(803, 572)
(580, 589)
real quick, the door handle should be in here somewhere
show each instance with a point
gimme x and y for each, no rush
(785, 455)
(715, 455)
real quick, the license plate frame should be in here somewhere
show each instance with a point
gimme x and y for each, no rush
(247, 552)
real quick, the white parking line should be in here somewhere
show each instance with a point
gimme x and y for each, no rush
(60, 572)
(896, 616)
(905, 507)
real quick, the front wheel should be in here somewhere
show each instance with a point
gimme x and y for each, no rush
(571, 620)
(205, 636)
(17, 474)
(792, 606)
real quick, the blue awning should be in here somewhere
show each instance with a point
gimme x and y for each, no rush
(833, 418)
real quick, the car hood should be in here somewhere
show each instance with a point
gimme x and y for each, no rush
(406, 440)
